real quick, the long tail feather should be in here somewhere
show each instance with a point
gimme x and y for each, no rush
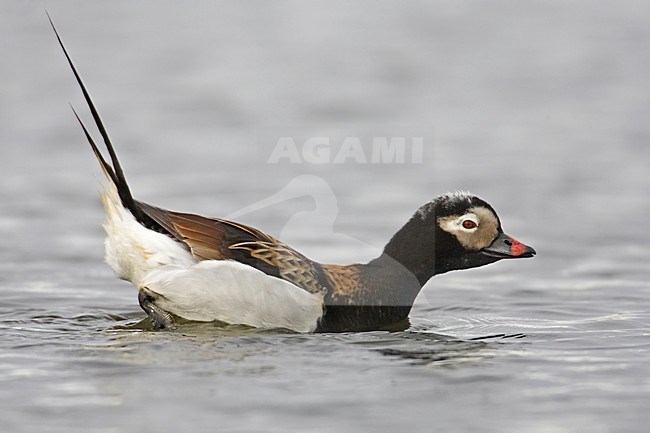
(98, 121)
(108, 170)
(114, 172)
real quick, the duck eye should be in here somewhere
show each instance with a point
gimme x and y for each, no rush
(469, 224)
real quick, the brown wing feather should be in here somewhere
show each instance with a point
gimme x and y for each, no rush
(345, 281)
(292, 265)
(219, 239)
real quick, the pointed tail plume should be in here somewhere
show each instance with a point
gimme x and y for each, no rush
(113, 172)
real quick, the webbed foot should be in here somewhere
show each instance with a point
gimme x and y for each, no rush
(160, 318)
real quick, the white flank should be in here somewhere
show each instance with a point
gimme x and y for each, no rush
(209, 290)
(232, 292)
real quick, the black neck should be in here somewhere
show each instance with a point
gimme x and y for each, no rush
(414, 251)
(390, 282)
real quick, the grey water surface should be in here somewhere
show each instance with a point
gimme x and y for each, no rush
(540, 108)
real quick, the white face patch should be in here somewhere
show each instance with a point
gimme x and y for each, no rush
(474, 230)
(467, 223)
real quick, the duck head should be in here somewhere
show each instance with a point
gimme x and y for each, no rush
(452, 232)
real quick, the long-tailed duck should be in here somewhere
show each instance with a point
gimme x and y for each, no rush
(207, 269)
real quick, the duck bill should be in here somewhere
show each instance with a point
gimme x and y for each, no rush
(507, 247)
